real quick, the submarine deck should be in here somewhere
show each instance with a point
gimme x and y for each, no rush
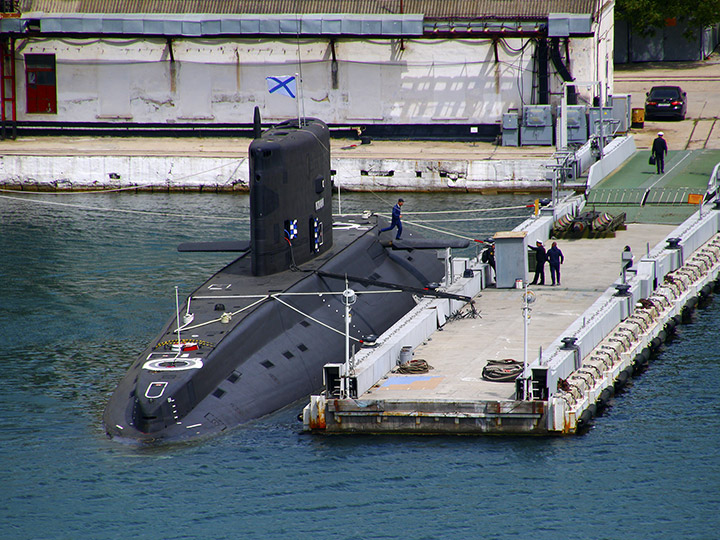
(237, 275)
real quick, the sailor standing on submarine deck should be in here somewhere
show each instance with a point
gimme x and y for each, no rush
(395, 221)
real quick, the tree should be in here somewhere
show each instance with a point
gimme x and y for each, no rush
(647, 15)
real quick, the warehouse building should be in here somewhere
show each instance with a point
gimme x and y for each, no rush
(433, 69)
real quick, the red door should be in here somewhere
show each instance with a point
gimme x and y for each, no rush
(40, 79)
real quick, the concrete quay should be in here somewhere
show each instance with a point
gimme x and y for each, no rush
(585, 339)
(218, 164)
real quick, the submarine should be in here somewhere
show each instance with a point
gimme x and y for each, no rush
(255, 336)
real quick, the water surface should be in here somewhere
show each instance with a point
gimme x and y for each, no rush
(82, 292)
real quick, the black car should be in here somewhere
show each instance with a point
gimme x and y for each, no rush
(666, 102)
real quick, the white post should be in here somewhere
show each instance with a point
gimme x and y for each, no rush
(563, 118)
(339, 201)
(602, 121)
(177, 312)
(528, 298)
(525, 330)
(448, 268)
(298, 97)
(347, 337)
(348, 299)
(555, 194)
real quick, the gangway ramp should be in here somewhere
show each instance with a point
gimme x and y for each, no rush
(648, 197)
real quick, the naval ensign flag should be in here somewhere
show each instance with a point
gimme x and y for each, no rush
(284, 85)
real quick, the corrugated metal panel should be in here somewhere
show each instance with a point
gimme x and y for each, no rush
(11, 25)
(203, 24)
(444, 9)
(498, 9)
(567, 24)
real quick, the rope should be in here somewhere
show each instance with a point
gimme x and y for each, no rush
(313, 318)
(121, 210)
(445, 231)
(414, 366)
(441, 231)
(468, 211)
(506, 370)
(219, 319)
(470, 219)
(471, 313)
(338, 292)
(229, 296)
(240, 162)
(83, 192)
(261, 298)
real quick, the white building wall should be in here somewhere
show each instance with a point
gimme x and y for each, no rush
(221, 81)
(384, 81)
(591, 59)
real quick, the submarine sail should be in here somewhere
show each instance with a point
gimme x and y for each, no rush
(255, 336)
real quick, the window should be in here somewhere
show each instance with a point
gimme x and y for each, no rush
(40, 83)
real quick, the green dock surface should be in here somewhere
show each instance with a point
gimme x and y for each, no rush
(647, 197)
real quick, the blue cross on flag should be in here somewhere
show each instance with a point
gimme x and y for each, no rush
(283, 85)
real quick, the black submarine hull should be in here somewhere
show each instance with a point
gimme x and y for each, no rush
(255, 336)
(276, 354)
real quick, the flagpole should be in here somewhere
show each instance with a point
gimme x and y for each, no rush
(302, 94)
(297, 98)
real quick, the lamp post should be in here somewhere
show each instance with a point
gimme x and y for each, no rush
(349, 298)
(528, 298)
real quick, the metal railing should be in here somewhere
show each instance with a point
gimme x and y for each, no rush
(616, 196)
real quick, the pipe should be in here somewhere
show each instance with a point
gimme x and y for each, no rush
(562, 70)
(543, 76)
(333, 66)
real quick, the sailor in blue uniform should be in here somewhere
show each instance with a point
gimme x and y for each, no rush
(659, 150)
(555, 259)
(540, 260)
(395, 221)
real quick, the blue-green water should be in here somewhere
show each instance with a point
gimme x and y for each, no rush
(82, 291)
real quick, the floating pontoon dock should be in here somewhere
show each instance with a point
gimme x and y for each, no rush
(586, 337)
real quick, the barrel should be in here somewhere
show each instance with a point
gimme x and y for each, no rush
(406, 355)
(638, 118)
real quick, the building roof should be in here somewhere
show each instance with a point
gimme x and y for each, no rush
(308, 18)
(431, 9)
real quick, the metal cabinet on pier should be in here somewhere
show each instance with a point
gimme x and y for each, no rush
(577, 126)
(537, 126)
(595, 114)
(510, 258)
(511, 128)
